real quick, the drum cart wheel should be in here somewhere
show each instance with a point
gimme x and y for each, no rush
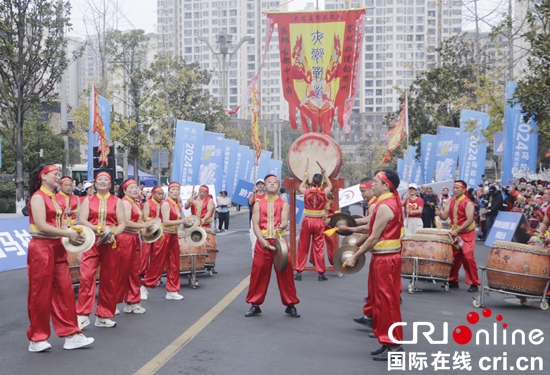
(446, 286)
(476, 302)
(410, 288)
(544, 305)
(523, 300)
(415, 275)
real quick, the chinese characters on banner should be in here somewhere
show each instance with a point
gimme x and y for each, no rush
(212, 160)
(427, 159)
(473, 146)
(187, 152)
(320, 64)
(14, 242)
(447, 148)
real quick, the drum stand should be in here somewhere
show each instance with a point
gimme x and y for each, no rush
(192, 275)
(293, 184)
(480, 301)
(415, 278)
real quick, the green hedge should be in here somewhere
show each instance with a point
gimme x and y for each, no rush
(7, 197)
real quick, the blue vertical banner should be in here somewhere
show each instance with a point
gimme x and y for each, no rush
(416, 176)
(520, 139)
(427, 157)
(187, 152)
(400, 167)
(229, 165)
(446, 153)
(275, 167)
(212, 160)
(498, 143)
(473, 146)
(410, 159)
(263, 166)
(248, 172)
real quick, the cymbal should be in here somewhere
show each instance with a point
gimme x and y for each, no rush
(87, 245)
(351, 239)
(196, 223)
(280, 256)
(343, 254)
(153, 233)
(104, 235)
(342, 218)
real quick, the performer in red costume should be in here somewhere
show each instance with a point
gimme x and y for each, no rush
(257, 193)
(461, 209)
(98, 212)
(168, 254)
(151, 210)
(51, 292)
(384, 242)
(69, 203)
(129, 249)
(202, 206)
(313, 225)
(270, 219)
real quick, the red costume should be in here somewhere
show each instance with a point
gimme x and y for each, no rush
(148, 249)
(313, 226)
(71, 201)
(102, 213)
(200, 208)
(51, 291)
(129, 259)
(166, 254)
(270, 217)
(367, 309)
(385, 273)
(413, 205)
(465, 255)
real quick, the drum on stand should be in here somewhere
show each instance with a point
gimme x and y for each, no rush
(434, 253)
(314, 148)
(187, 253)
(518, 268)
(434, 232)
(74, 267)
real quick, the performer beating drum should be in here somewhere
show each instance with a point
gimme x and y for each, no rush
(202, 206)
(313, 225)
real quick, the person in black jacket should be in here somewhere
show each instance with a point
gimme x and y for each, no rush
(494, 205)
(430, 203)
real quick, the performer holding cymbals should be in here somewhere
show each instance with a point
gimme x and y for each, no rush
(313, 225)
(50, 287)
(168, 255)
(269, 221)
(384, 242)
(104, 214)
(202, 206)
(129, 249)
(151, 210)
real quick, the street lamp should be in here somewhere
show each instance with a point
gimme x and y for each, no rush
(223, 40)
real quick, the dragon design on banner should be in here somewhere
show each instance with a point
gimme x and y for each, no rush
(99, 128)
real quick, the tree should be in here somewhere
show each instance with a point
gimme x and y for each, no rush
(32, 61)
(179, 95)
(533, 90)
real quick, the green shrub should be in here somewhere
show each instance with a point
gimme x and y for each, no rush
(7, 197)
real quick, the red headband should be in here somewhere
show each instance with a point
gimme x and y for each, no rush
(365, 185)
(104, 174)
(128, 183)
(174, 184)
(204, 188)
(156, 190)
(48, 169)
(382, 176)
(460, 184)
(66, 178)
(273, 178)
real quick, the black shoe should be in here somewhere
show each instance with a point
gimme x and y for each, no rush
(366, 321)
(322, 277)
(372, 335)
(384, 355)
(380, 350)
(298, 276)
(291, 310)
(452, 285)
(254, 310)
(473, 288)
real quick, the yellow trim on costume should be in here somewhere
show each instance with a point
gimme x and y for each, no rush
(314, 213)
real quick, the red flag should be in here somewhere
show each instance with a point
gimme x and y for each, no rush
(99, 128)
(255, 129)
(398, 132)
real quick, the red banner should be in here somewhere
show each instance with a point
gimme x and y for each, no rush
(99, 128)
(320, 56)
(255, 128)
(398, 132)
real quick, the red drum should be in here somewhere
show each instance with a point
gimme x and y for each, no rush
(317, 148)
(435, 255)
(434, 232)
(74, 267)
(522, 260)
(187, 252)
